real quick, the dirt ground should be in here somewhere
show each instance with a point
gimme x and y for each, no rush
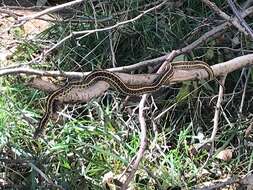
(11, 37)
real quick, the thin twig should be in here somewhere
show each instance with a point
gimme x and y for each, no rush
(40, 172)
(143, 144)
(222, 14)
(143, 137)
(239, 17)
(218, 184)
(112, 49)
(216, 117)
(217, 109)
(239, 81)
(216, 31)
(88, 32)
(25, 19)
(244, 91)
(43, 175)
(29, 163)
(9, 12)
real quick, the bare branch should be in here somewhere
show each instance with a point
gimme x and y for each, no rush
(239, 17)
(143, 135)
(88, 32)
(222, 14)
(220, 70)
(204, 38)
(84, 95)
(217, 110)
(143, 144)
(25, 19)
(247, 75)
(9, 12)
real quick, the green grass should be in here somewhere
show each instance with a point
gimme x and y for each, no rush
(86, 149)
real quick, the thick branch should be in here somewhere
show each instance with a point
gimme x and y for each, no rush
(179, 76)
(84, 95)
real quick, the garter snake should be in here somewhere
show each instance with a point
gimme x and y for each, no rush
(116, 82)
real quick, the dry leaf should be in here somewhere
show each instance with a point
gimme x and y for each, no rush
(248, 131)
(225, 155)
(193, 151)
(110, 181)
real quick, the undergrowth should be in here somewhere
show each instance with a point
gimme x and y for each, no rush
(101, 136)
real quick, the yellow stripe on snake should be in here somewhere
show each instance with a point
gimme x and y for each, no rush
(119, 85)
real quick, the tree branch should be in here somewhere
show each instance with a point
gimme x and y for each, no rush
(143, 142)
(25, 19)
(88, 32)
(239, 17)
(222, 14)
(179, 76)
(216, 31)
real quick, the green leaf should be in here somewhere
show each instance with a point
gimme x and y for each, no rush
(65, 163)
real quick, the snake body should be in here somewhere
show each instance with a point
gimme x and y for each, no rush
(119, 85)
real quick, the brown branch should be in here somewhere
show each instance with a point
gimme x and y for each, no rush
(179, 76)
(143, 143)
(84, 95)
(217, 111)
(143, 135)
(220, 69)
(127, 78)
